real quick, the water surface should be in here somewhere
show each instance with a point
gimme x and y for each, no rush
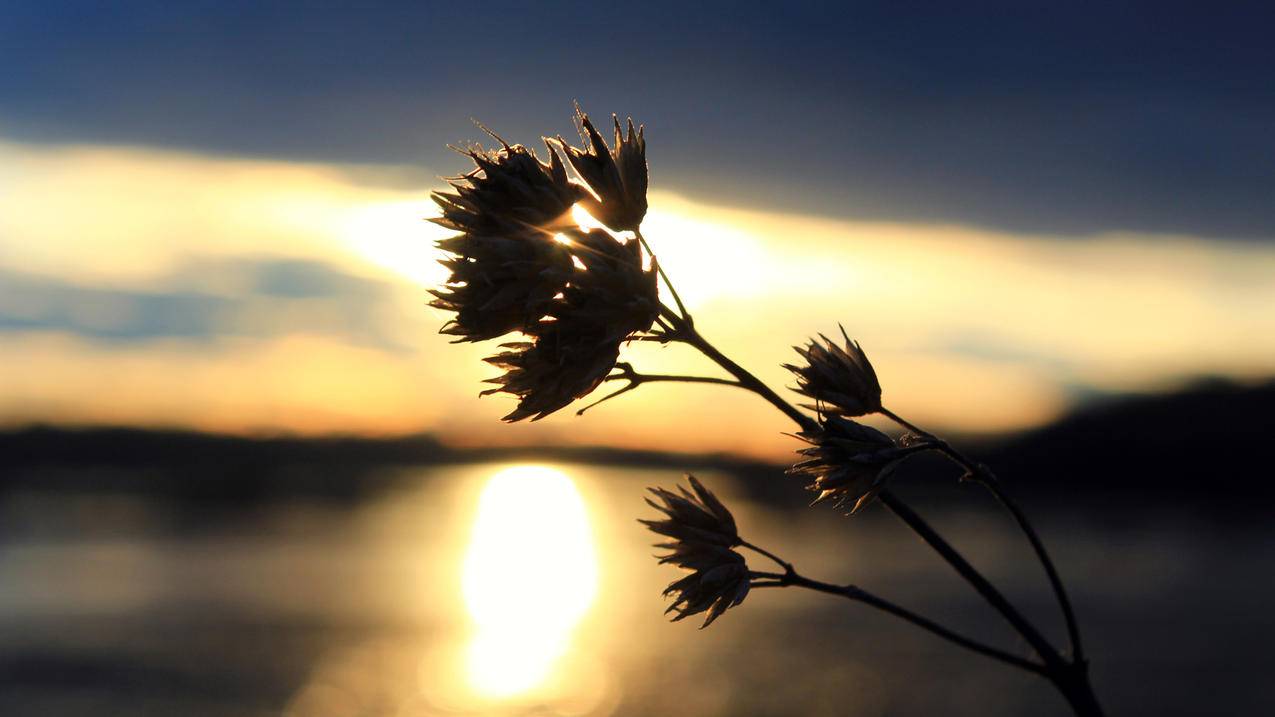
(529, 589)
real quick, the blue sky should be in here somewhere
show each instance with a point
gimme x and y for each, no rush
(1058, 118)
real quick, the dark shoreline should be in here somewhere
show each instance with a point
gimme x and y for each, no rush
(1204, 446)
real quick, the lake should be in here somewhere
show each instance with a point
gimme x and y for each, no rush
(528, 589)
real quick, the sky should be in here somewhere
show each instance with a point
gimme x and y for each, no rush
(212, 214)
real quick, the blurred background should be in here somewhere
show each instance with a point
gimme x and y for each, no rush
(242, 474)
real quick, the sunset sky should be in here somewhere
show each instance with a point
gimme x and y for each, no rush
(213, 217)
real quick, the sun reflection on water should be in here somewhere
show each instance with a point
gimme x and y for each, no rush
(529, 575)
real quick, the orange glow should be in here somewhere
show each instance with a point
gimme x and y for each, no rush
(969, 329)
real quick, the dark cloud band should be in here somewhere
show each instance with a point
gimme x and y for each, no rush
(1069, 118)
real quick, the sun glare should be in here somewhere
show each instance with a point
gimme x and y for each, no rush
(708, 260)
(395, 236)
(529, 575)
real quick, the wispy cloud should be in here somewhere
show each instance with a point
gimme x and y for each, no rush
(205, 301)
(164, 287)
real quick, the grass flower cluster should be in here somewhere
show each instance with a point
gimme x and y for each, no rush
(567, 297)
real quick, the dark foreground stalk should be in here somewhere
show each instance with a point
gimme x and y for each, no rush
(974, 578)
(852, 592)
(688, 334)
(1075, 686)
(980, 473)
(1071, 678)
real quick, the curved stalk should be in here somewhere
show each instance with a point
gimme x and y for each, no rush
(787, 566)
(973, 577)
(984, 476)
(687, 334)
(1055, 580)
(791, 578)
(1071, 678)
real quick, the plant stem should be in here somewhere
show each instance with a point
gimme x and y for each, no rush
(1046, 651)
(905, 423)
(1071, 678)
(973, 577)
(851, 592)
(984, 476)
(676, 299)
(661, 377)
(1073, 683)
(636, 379)
(687, 334)
(787, 566)
(1069, 615)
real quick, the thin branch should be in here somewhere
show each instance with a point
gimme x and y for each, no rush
(983, 475)
(762, 574)
(672, 316)
(787, 566)
(684, 330)
(690, 336)
(636, 379)
(677, 299)
(900, 420)
(608, 397)
(973, 577)
(1069, 615)
(851, 592)
(641, 378)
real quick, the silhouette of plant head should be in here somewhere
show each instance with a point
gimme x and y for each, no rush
(520, 263)
(703, 537)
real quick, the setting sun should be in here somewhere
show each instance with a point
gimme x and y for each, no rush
(530, 573)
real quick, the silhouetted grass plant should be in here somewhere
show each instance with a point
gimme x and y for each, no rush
(521, 264)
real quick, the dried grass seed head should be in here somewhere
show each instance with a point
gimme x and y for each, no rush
(846, 462)
(575, 301)
(617, 175)
(610, 288)
(703, 534)
(508, 189)
(712, 591)
(841, 380)
(608, 298)
(500, 284)
(505, 265)
(692, 516)
(566, 361)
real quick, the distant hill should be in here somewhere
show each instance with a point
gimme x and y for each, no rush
(1210, 446)
(1204, 447)
(185, 465)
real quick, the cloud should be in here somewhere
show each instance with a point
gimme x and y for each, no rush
(162, 287)
(1067, 119)
(204, 300)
